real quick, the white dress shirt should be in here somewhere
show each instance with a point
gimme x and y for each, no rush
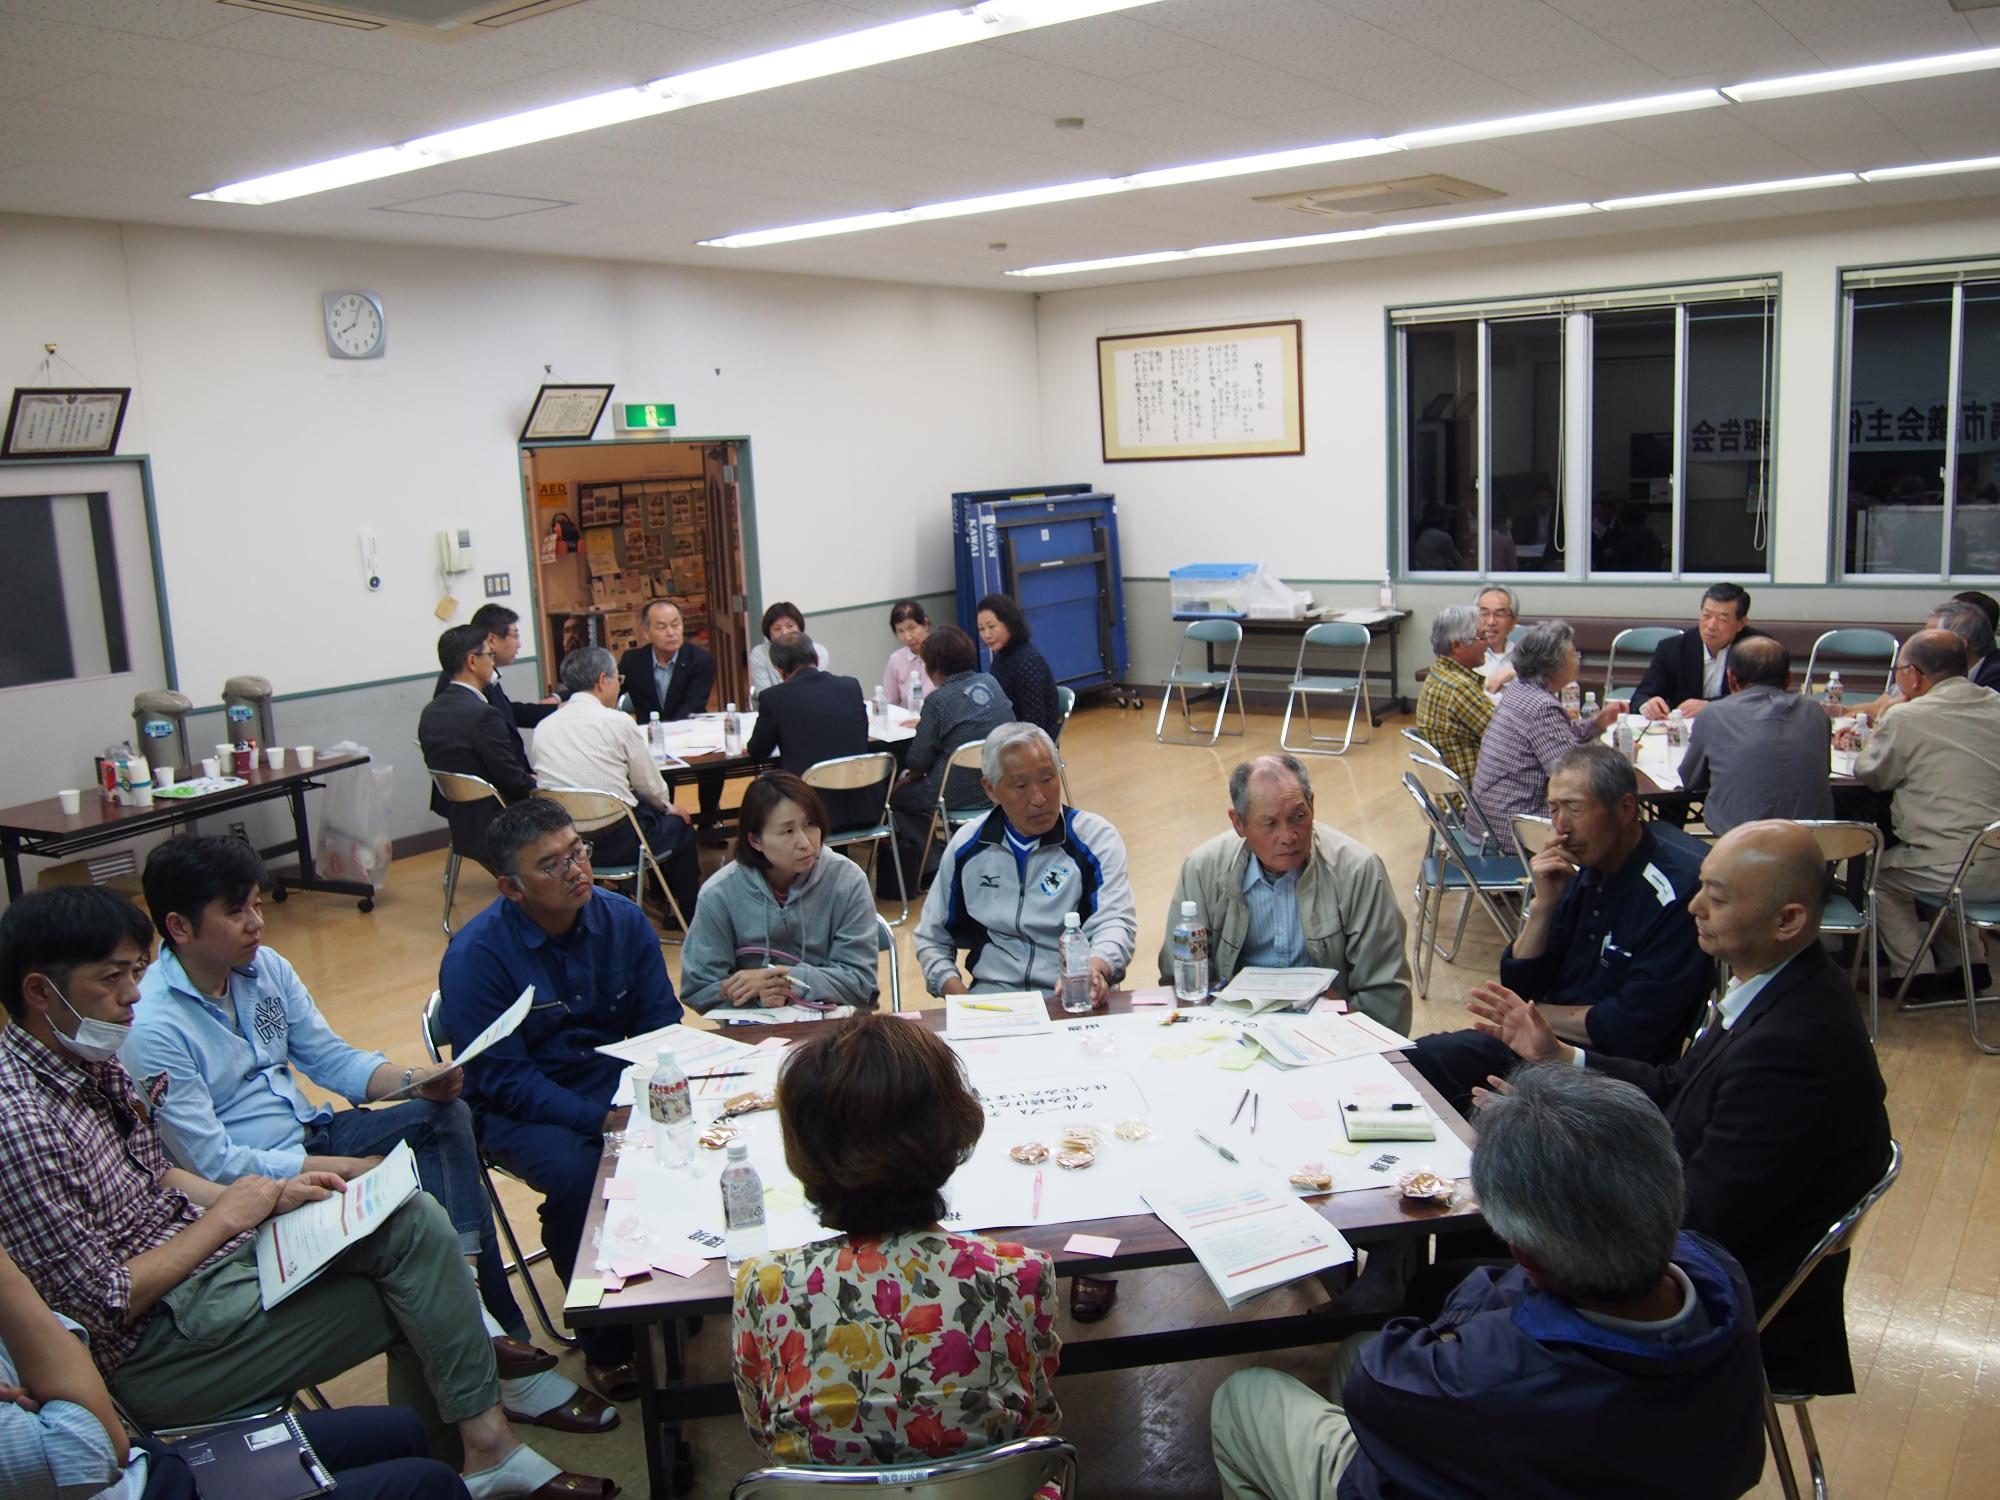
(583, 744)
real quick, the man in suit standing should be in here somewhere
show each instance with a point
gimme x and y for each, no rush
(503, 633)
(1762, 751)
(460, 730)
(672, 677)
(1777, 1107)
(1690, 669)
(808, 716)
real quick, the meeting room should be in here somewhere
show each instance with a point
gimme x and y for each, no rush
(701, 695)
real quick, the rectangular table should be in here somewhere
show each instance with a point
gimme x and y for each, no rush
(44, 830)
(659, 1308)
(891, 735)
(1292, 630)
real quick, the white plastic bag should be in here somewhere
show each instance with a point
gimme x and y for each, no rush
(354, 841)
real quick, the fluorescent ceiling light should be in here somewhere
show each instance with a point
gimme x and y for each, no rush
(1264, 161)
(1109, 263)
(821, 59)
(1733, 190)
(1932, 169)
(1852, 78)
(1480, 221)
(1559, 119)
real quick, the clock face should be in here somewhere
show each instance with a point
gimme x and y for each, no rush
(354, 326)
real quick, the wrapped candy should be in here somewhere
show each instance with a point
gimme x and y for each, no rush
(1313, 1180)
(1425, 1183)
(743, 1104)
(1030, 1153)
(1076, 1160)
(717, 1136)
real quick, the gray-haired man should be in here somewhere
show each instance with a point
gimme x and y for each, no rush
(1281, 890)
(1453, 710)
(1007, 880)
(589, 745)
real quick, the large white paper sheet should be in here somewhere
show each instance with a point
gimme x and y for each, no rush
(295, 1247)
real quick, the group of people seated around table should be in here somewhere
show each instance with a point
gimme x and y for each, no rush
(1757, 745)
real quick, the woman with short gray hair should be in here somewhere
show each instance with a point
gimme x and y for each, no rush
(1531, 731)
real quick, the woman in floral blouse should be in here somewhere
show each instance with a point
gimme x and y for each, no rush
(900, 1341)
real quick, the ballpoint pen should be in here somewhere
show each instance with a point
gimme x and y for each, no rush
(700, 1077)
(1035, 1208)
(1239, 1106)
(1255, 1100)
(1222, 1151)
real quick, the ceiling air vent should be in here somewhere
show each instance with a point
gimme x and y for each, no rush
(434, 17)
(1397, 196)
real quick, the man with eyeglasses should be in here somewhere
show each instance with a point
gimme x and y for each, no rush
(1498, 615)
(503, 633)
(461, 731)
(542, 1097)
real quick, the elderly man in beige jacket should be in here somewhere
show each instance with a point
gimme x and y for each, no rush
(1285, 891)
(1938, 756)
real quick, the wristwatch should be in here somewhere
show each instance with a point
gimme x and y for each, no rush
(408, 1074)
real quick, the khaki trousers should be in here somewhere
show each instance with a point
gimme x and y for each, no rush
(1902, 930)
(1275, 1438)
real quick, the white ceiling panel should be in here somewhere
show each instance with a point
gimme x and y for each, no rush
(1412, 95)
(1239, 87)
(1049, 89)
(1498, 37)
(459, 61)
(131, 55)
(1293, 36)
(179, 20)
(1893, 34)
(1719, 46)
(1600, 15)
(1111, 47)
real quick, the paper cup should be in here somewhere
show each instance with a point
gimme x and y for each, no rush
(308, 757)
(225, 753)
(71, 800)
(142, 796)
(163, 776)
(274, 757)
(211, 766)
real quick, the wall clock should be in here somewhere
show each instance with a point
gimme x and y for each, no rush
(355, 327)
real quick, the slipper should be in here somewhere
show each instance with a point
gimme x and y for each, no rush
(1090, 1297)
(583, 1412)
(619, 1382)
(511, 1479)
(517, 1358)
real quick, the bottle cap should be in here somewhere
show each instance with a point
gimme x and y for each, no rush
(739, 1149)
(1189, 909)
(664, 1058)
(1071, 919)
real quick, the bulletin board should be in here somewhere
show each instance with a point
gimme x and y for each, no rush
(1232, 391)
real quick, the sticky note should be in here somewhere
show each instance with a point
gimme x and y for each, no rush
(907, 1015)
(612, 1282)
(1347, 1147)
(631, 1269)
(1236, 1059)
(1091, 1244)
(616, 1188)
(1309, 1109)
(584, 1291)
(1152, 997)
(784, 1197)
(773, 1044)
(679, 1263)
(1179, 1048)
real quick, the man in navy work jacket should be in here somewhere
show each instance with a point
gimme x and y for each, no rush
(1008, 879)
(1616, 1356)
(1608, 950)
(543, 1096)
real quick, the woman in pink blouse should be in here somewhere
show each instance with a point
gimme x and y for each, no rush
(900, 1341)
(912, 625)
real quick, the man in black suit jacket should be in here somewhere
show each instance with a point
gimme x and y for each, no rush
(1777, 1107)
(503, 633)
(810, 716)
(689, 670)
(1689, 669)
(460, 730)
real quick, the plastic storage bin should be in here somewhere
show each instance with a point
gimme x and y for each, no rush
(1211, 590)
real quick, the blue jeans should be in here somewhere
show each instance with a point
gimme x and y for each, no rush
(447, 1155)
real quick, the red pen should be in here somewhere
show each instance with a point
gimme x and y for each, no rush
(1035, 1209)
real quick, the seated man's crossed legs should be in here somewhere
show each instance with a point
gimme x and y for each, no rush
(1275, 1438)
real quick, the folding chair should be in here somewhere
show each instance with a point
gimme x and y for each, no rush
(1422, 746)
(593, 811)
(1206, 633)
(857, 773)
(430, 1025)
(1641, 639)
(456, 786)
(1973, 916)
(1836, 1241)
(1856, 641)
(1446, 866)
(1334, 636)
(885, 942)
(1838, 843)
(946, 820)
(1067, 698)
(1530, 834)
(1004, 1473)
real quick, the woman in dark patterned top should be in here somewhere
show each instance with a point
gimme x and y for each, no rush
(1018, 666)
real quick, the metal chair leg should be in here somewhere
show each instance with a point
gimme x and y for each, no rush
(522, 1262)
(451, 864)
(1966, 934)
(1781, 1455)
(1815, 1466)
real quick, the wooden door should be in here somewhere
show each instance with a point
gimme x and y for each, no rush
(729, 627)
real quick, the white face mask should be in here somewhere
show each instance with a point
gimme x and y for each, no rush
(95, 1041)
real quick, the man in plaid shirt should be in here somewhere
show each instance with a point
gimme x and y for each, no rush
(1453, 709)
(113, 1237)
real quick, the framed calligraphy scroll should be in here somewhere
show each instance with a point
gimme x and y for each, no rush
(1232, 391)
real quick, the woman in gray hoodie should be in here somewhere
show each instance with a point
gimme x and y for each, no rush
(786, 920)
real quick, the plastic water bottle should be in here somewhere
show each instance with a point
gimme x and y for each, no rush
(881, 705)
(1590, 705)
(656, 733)
(1073, 953)
(671, 1111)
(916, 690)
(1190, 955)
(744, 1233)
(732, 731)
(1388, 595)
(1623, 741)
(1863, 731)
(1677, 728)
(1572, 698)
(1835, 693)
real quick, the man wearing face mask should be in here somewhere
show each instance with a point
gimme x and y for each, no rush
(157, 1264)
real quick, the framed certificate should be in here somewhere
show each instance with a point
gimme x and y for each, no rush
(565, 413)
(83, 421)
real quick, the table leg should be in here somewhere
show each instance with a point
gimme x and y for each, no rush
(655, 1432)
(308, 877)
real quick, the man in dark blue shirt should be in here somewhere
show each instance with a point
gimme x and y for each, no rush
(542, 1097)
(1608, 951)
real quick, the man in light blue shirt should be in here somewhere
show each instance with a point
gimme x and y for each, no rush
(221, 1024)
(1275, 939)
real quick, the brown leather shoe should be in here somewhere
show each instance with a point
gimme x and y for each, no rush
(568, 1486)
(619, 1382)
(518, 1358)
(583, 1412)
(1090, 1297)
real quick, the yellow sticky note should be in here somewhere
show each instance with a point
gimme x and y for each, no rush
(1345, 1147)
(1236, 1059)
(783, 1197)
(1180, 1048)
(584, 1291)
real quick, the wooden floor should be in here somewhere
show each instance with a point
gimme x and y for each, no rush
(1923, 1298)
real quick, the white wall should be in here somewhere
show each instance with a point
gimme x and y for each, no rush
(1322, 516)
(866, 403)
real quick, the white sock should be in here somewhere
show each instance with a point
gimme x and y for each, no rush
(531, 1395)
(493, 1328)
(522, 1472)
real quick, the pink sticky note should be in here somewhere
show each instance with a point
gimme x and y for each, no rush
(613, 1283)
(907, 1015)
(1153, 997)
(1309, 1109)
(632, 1268)
(1328, 1005)
(773, 1044)
(1091, 1244)
(620, 1187)
(679, 1263)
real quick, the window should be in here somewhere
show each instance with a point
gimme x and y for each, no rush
(1921, 492)
(1671, 390)
(60, 615)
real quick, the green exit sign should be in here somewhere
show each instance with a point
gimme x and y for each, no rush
(639, 418)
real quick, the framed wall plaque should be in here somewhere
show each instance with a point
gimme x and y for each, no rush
(80, 421)
(1231, 391)
(565, 413)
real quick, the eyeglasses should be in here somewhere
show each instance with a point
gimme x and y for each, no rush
(576, 859)
(484, 651)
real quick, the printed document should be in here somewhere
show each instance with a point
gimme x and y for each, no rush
(971, 1018)
(1247, 1236)
(503, 1026)
(295, 1247)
